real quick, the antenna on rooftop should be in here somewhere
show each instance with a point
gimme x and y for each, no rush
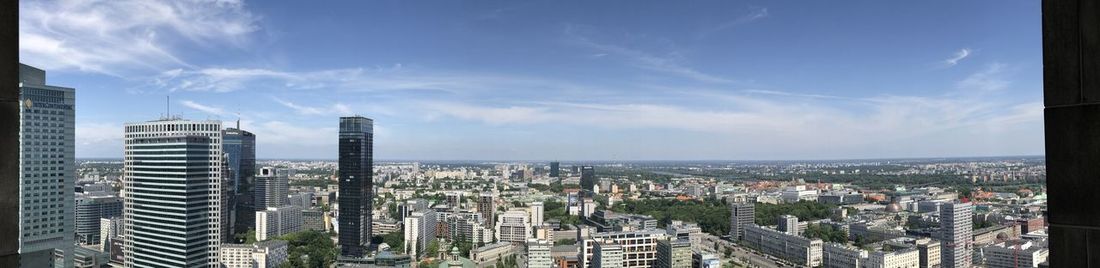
(168, 106)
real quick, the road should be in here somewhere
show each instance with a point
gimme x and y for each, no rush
(755, 259)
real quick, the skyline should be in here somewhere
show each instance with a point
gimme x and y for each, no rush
(538, 81)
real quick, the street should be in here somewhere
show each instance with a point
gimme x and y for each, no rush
(755, 259)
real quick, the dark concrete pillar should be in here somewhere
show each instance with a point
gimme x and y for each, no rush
(1071, 73)
(9, 134)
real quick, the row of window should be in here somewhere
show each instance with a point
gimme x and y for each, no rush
(174, 127)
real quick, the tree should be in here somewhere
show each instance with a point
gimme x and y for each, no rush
(317, 245)
(395, 240)
(433, 249)
(566, 241)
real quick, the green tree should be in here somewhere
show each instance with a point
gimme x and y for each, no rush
(433, 249)
(317, 245)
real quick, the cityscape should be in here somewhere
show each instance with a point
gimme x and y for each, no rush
(145, 184)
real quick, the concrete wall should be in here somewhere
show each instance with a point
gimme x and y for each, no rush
(1071, 72)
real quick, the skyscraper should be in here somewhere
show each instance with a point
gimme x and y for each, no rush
(47, 169)
(555, 169)
(486, 208)
(240, 154)
(588, 178)
(741, 215)
(537, 211)
(356, 194)
(271, 188)
(955, 229)
(173, 193)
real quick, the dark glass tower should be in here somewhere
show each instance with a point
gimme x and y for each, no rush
(240, 150)
(588, 178)
(356, 185)
(554, 168)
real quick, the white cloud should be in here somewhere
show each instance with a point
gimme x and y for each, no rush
(991, 78)
(203, 108)
(960, 55)
(98, 139)
(335, 109)
(670, 64)
(755, 13)
(118, 36)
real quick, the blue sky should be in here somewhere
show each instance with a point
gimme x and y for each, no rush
(566, 80)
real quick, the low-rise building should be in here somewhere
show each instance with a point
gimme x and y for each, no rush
(797, 249)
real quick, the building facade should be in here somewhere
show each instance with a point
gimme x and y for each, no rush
(90, 209)
(588, 179)
(240, 154)
(538, 253)
(955, 231)
(420, 228)
(513, 226)
(271, 187)
(641, 246)
(47, 169)
(673, 253)
(356, 171)
(797, 249)
(741, 214)
(278, 221)
(173, 193)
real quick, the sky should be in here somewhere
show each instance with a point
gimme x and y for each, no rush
(558, 80)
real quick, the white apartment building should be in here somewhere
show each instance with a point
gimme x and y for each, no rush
(420, 230)
(538, 253)
(264, 254)
(1014, 254)
(640, 245)
(277, 221)
(537, 210)
(607, 254)
(797, 249)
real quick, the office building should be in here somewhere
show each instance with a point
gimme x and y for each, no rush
(641, 244)
(537, 211)
(454, 199)
(588, 179)
(607, 254)
(787, 224)
(487, 207)
(356, 171)
(797, 249)
(538, 253)
(420, 231)
(955, 231)
(701, 259)
(313, 219)
(555, 169)
(673, 253)
(173, 169)
(929, 252)
(271, 188)
(240, 154)
(263, 254)
(278, 221)
(87, 258)
(690, 232)
(90, 209)
(835, 255)
(513, 226)
(47, 169)
(741, 214)
(1014, 254)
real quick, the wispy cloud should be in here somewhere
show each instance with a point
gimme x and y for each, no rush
(991, 78)
(754, 13)
(114, 37)
(203, 108)
(668, 64)
(334, 109)
(958, 56)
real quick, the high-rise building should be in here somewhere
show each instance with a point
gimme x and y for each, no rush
(955, 231)
(173, 193)
(356, 169)
(271, 188)
(537, 211)
(411, 205)
(538, 253)
(741, 214)
(240, 153)
(47, 169)
(787, 224)
(588, 178)
(420, 228)
(513, 226)
(686, 231)
(607, 254)
(454, 199)
(264, 254)
(487, 208)
(278, 221)
(673, 253)
(90, 208)
(555, 169)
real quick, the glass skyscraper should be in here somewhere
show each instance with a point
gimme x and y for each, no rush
(356, 162)
(47, 169)
(240, 153)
